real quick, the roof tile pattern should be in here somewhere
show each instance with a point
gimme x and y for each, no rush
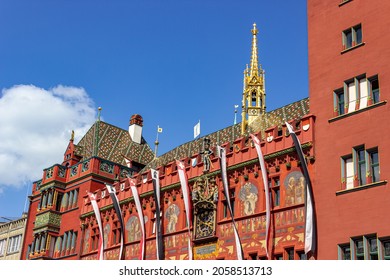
(278, 117)
(114, 143)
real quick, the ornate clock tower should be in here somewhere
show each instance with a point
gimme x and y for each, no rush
(253, 96)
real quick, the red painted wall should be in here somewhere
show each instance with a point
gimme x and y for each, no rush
(363, 212)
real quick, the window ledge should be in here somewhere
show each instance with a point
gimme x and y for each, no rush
(368, 186)
(380, 103)
(344, 2)
(353, 47)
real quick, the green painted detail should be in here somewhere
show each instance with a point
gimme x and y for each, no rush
(47, 219)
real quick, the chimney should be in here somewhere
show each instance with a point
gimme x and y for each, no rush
(135, 128)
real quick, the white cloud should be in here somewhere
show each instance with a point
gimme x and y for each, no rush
(35, 127)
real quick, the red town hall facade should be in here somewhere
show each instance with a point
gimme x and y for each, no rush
(346, 156)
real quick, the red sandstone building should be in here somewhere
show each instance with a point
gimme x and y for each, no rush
(62, 224)
(349, 88)
(346, 153)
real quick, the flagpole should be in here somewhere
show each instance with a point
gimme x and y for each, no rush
(235, 114)
(159, 130)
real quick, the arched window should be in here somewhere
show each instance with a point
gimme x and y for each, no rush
(254, 99)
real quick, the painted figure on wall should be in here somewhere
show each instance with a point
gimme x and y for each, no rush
(172, 214)
(290, 191)
(106, 232)
(300, 190)
(249, 197)
(86, 241)
(133, 229)
(294, 184)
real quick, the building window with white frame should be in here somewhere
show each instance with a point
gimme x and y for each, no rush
(356, 94)
(360, 168)
(347, 171)
(14, 244)
(2, 246)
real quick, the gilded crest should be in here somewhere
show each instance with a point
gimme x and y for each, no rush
(205, 197)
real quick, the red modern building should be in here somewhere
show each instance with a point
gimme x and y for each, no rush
(62, 224)
(349, 80)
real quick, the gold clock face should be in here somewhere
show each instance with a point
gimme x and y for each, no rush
(205, 224)
(253, 112)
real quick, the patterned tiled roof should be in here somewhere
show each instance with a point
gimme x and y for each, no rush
(114, 143)
(278, 117)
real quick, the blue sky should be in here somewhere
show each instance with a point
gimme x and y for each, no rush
(174, 62)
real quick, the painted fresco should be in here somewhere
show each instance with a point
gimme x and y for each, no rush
(294, 186)
(133, 229)
(172, 215)
(106, 232)
(249, 197)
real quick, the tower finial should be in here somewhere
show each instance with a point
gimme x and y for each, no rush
(99, 110)
(254, 30)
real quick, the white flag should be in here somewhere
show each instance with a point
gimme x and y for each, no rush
(197, 130)
(266, 189)
(157, 191)
(137, 201)
(187, 201)
(310, 221)
(222, 158)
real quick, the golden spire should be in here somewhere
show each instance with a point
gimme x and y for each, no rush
(253, 96)
(254, 60)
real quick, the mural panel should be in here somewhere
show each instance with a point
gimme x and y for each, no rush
(249, 197)
(295, 186)
(172, 215)
(133, 229)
